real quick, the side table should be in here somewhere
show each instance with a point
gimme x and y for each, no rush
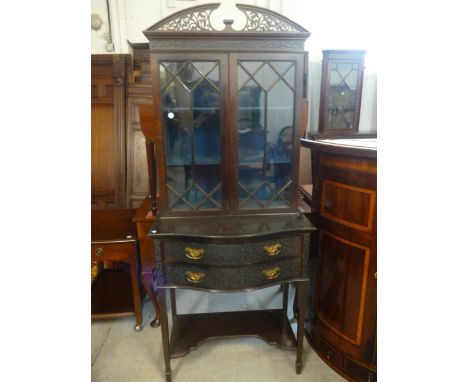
(115, 292)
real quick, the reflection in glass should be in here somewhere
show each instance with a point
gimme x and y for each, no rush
(265, 133)
(342, 95)
(194, 187)
(191, 116)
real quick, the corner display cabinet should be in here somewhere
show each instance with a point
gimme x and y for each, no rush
(340, 92)
(229, 112)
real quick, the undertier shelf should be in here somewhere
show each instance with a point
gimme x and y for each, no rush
(189, 331)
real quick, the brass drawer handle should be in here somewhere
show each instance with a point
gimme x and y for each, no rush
(99, 251)
(272, 273)
(194, 253)
(194, 277)
(273, 250)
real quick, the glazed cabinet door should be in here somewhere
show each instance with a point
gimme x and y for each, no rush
(265, 102)
(191, 98)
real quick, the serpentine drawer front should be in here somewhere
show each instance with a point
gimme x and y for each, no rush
(230, 254)
(224, 278)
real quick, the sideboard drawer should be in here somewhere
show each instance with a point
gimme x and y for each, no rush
(231, 278)
(348, 205)
(231, 254)
(114, 251)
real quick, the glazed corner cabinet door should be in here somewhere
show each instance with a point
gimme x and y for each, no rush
(228, 112)
(340, 94)
(342, 323)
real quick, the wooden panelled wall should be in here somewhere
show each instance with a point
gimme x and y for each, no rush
(119, 85)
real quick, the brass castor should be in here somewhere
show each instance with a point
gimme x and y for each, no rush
(138, 328)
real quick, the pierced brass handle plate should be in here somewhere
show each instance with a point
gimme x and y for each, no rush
(273, 250)
(194, 253)
(99, 251)
(272, 273)
(194, 277)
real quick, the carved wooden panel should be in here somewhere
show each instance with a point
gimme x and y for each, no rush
(341, 285)
(108, 79)
(103, 167)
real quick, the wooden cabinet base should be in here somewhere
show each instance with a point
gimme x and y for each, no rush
(346, 367)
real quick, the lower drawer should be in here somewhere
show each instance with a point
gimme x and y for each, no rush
(230, 278)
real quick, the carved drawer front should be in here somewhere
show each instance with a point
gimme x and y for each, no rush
(231, 254)
(348, 205)
(114, 251)
(226, 278)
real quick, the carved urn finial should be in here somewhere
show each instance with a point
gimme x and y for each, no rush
(228, 25)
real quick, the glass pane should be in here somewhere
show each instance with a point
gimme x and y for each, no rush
(194, 187)
(206, 124)
(342, 95)
(165, 76)
(189, 76)
(204, 67)
(251, 66)
(290, 76)
(265, 134)
(242, 77)
(266, 77)
(250, 123)
(191, 117)
(281, 66)
(265, 187)
(177, 123)
(178, 182)
(280, 123)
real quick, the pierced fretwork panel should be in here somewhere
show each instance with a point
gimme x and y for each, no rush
(190, 102)
(266, 93)
(341, 99)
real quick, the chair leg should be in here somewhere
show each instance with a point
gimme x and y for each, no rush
(147, 280)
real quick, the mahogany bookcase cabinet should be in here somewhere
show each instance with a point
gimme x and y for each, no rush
(228, 114)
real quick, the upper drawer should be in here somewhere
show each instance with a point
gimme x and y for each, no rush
(348, 205)
(230, 254)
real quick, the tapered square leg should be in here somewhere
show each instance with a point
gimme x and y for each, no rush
(161, 292)
(302, 287)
